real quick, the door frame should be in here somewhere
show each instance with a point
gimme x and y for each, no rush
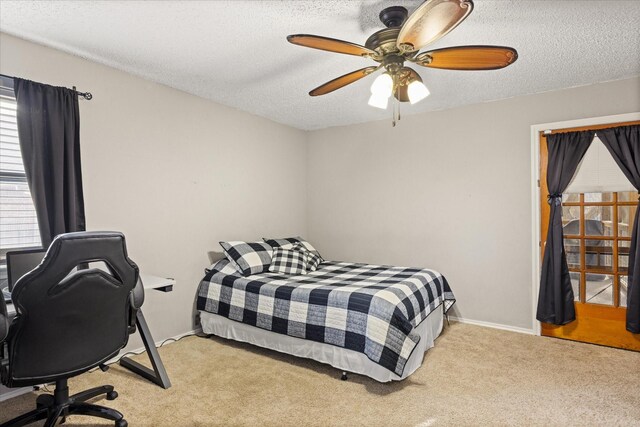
(535, 192)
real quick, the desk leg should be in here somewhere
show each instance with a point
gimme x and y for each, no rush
(159, 374)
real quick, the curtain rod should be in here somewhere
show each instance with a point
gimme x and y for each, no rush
(85, 95)
(549, 132)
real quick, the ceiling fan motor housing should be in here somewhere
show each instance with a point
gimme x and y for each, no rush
(394, 16)
(384, 41)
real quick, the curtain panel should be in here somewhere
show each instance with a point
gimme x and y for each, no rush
(555, 300)
(623, 143)
(48, 121)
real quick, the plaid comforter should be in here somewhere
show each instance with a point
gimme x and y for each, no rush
(370, 309)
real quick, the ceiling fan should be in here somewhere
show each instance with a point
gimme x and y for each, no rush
(400, 42)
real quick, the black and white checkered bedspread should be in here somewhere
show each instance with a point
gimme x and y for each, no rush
(367, 308)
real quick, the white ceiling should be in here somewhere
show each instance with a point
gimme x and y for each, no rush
(235, 52)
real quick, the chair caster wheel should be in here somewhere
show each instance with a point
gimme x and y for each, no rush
(44, 400)
(122, 423)
(112, 395)
(344, 376)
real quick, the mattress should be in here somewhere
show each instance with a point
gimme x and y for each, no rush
(369, 309)
(340, 358)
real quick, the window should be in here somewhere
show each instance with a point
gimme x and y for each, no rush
(18, 222)
(598, 209)
(597, 237)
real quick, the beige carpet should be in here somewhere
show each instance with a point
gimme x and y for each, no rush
(474, 376)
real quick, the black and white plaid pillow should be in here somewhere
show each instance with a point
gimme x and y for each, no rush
(275, 243)
(308, 246)
(288, 261)
(313, 261)
(248, 257)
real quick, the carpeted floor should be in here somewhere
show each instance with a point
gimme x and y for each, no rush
(474, 376)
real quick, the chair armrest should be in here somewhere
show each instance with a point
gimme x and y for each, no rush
(4, 321)
(136, 299)
(137, 295)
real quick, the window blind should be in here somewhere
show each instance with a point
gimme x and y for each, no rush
(598, 172)
(18, 222)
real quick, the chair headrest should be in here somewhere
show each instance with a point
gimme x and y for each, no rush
(71, 250)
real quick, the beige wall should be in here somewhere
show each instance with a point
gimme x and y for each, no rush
(449, 190)
(174, 172)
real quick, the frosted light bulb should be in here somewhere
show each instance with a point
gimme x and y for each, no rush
(417, 91)
(379, 101)
(382, 85)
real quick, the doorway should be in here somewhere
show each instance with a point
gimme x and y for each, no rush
(597, 231)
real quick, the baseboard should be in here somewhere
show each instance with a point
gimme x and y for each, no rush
(141, 350)
(493, 325)
(8, 393)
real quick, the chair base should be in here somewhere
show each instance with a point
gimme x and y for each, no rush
(61, 405)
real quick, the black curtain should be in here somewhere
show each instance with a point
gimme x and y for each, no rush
(49, 131)
(624, 145)
(555, 300)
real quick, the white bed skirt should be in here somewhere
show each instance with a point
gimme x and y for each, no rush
(338, 357)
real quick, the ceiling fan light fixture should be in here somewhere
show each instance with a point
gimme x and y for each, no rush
(382, 86)
(417, 91)
(379, 101)
(401, 41)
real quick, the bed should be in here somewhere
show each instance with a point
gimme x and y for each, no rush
(367, 319)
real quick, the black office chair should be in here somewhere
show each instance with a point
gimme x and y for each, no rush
(67, 324)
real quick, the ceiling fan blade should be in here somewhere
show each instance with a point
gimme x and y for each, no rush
(329, 44)
(342, 81)
(468, 58)
(431, 21)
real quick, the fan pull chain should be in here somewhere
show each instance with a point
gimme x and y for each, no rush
(393, 103)
(396, 112)
(393, 115)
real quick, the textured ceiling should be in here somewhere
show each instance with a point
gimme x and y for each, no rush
(235, 52)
